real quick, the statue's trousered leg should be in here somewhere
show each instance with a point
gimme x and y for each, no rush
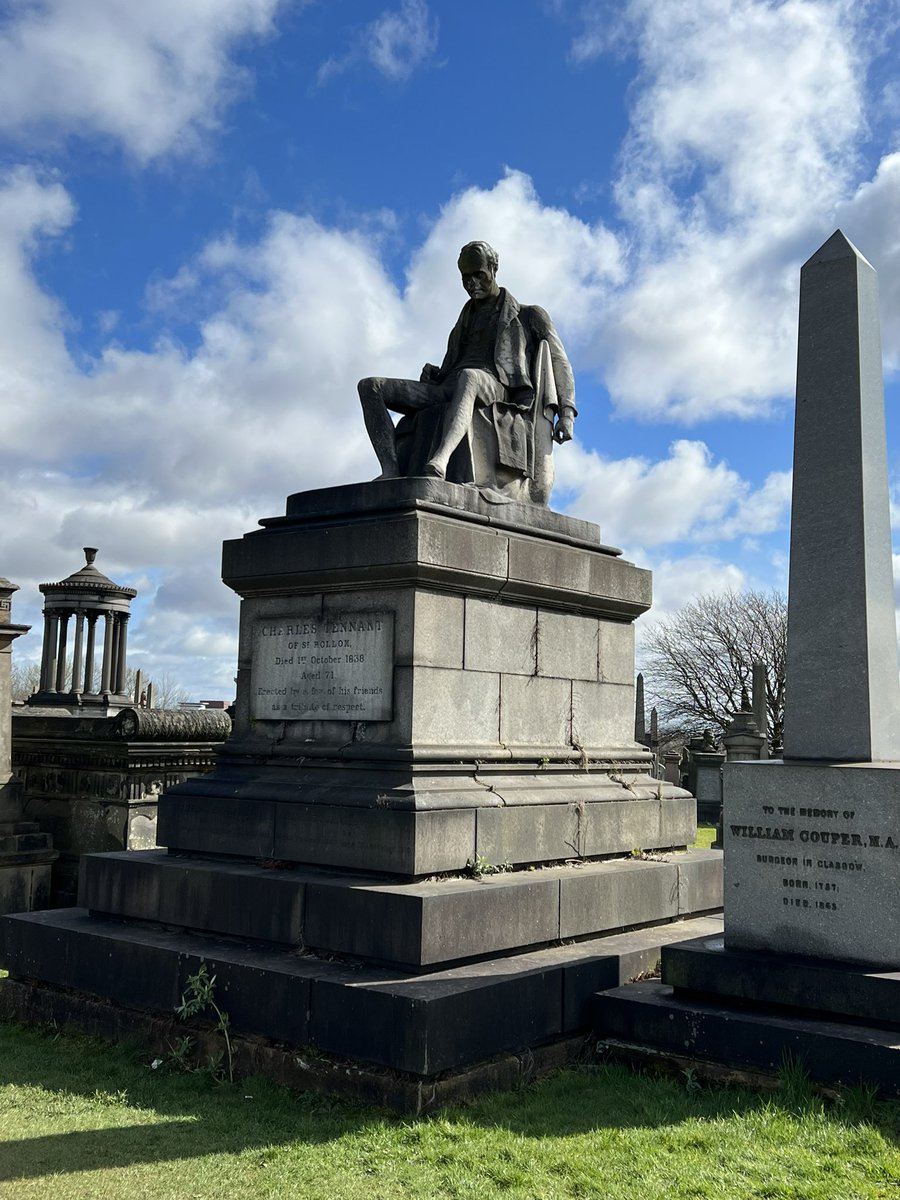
(458, 421)
(379, 427)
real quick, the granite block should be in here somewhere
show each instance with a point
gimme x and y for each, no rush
(441, 1021)
(649, 1015)
(567, 645)
(699, 880)
(819, 986)
(535, 712)
(217, 825)
(435, 922)
(529, 833)
(602, 714)
(403, 843)
(615, 895)
(455, 707)
(616, 656)
(500, 637)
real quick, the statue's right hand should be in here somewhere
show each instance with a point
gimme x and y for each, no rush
(429, 374)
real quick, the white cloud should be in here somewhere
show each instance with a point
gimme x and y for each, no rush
(687, 497)
(153, 76)
(741, 158)
(396, 43)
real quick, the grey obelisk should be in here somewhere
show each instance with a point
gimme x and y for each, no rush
(842, 688)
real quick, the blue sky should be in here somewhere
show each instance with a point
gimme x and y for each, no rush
(216, 215)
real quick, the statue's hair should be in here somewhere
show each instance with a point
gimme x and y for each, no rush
(487, 252)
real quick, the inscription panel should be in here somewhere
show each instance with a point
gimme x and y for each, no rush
(338, 667)
(812, 856)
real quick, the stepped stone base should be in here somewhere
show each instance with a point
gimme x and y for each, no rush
(750, 1009)
(417, 1025)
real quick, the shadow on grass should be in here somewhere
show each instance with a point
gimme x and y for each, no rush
(76, 1075)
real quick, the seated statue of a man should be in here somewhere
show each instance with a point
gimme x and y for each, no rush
(490, 413)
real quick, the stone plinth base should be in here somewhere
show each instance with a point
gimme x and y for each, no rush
(813, 857)
(755, 1010)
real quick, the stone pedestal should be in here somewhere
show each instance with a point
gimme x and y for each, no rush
(432, 792)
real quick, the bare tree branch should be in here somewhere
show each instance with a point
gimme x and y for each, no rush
(696, 662)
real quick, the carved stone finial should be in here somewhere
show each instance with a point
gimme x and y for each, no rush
(90, 553)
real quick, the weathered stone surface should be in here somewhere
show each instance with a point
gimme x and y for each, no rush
(455, 707)
(602, 714)
(616, 658)
(699, 881)
(435, 922)
(405, 843)
(568, 646)
(422, 1024)
(616, 895)
(500, 637)
(535, 712)
(841, 671)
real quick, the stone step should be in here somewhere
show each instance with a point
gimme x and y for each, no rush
(828, 988)
(420, 1024)
(652, 1015)
(413, 925)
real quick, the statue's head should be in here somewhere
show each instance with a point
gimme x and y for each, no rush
(478, 266)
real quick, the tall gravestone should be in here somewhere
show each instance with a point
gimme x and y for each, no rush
(813, 842)
(808, 967)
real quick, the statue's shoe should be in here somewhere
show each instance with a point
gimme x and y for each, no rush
(434, 470)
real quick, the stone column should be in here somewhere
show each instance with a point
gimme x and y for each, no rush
(46, 653)
(121, 649)
(88, 684)
(61, 652)
(48, 662)
(841, 678)
(108, 634)
(76, 651)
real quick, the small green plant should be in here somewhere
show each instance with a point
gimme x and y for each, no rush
(200, 996)
(691, 1082)
(479, 866)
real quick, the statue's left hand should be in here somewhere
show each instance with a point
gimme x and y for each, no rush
(564, 429)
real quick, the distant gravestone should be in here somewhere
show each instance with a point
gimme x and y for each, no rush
(813, 843)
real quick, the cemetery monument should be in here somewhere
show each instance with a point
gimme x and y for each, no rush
(425, 844)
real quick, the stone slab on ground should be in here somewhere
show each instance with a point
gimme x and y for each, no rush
(764, 1038)
(419, 1024)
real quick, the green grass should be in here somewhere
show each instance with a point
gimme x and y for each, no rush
(81, 1120)
(706, 835)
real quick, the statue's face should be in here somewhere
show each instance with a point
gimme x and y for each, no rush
(478, 278)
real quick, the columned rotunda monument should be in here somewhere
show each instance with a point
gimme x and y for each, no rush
(85, 616)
